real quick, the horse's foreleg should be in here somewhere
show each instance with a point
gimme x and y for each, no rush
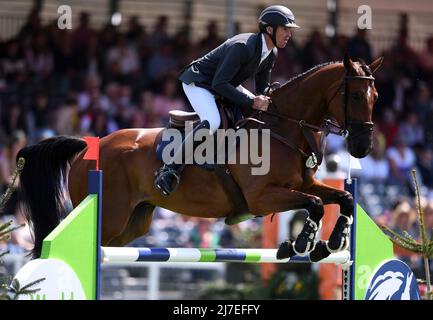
(339, 239)
(278, 199)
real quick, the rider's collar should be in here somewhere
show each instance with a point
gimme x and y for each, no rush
(265, 50)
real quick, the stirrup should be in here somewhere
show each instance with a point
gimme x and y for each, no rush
(161, 175)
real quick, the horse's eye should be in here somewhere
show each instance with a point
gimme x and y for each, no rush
(356, 96)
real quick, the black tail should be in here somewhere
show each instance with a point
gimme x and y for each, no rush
(42, 181)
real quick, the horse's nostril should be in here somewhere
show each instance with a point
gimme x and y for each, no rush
(359, 150)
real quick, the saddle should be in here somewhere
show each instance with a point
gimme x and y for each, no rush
(230, 115)
(178, 119)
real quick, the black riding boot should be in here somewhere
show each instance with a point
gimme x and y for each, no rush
(165, 177)
(168, 176)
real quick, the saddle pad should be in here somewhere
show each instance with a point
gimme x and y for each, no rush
(163, 144)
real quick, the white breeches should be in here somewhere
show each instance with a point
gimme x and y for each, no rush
(203, 102)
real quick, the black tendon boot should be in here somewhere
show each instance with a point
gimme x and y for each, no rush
(168, 176)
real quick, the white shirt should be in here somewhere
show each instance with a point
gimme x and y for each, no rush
(403, 162)
(265, 50)
(374, 169)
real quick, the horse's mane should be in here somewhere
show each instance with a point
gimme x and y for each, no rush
(305, 73)
(300, 76)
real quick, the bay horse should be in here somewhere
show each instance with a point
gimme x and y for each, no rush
(299, 113)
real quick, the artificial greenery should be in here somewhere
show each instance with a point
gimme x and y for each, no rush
(8, 290)
(423, 247)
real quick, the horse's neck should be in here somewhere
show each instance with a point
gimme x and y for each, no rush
(306, 99)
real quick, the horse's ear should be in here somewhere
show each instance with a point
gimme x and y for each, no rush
(347, 62)
(376, 64)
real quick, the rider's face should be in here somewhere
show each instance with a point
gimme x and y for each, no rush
(282, 36)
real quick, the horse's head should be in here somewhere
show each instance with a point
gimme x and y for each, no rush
(353, 107)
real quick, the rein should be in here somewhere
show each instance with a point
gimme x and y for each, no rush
(316, 156)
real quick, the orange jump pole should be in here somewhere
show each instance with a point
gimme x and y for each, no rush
(269, 241)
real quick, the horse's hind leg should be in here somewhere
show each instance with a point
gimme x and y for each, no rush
(138, 225)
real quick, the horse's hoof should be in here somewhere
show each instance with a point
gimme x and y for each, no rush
(320, 251)
(285, 250)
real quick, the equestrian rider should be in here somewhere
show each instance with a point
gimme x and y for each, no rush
(223, 70)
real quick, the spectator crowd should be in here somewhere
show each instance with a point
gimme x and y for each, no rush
(92, 82)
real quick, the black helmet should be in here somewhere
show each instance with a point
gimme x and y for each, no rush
(277, 16)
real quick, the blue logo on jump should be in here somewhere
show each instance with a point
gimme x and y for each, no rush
(394, 280)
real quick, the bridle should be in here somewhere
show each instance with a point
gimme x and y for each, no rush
(328, 127)
(365, 126)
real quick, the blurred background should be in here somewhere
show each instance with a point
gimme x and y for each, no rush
(117, 68)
